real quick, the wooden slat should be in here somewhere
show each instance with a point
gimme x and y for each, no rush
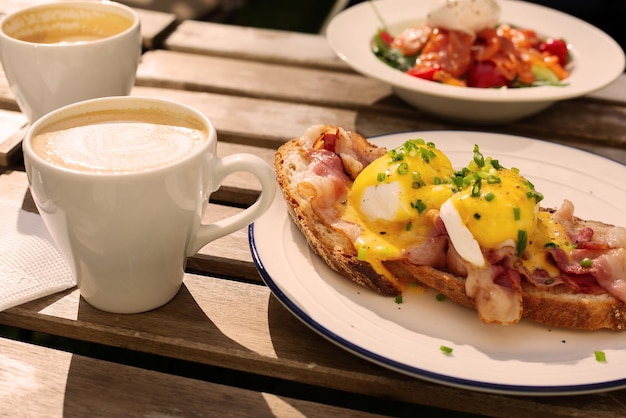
(264, 123)
(13, 126)
(38, 381)
(254, 44)
(155, 25)
(602, 121)
(161, 68)
(269, 123)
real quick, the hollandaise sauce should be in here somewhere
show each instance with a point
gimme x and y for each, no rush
(396, 201)
(392, 200)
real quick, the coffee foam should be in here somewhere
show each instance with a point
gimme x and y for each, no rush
(112, 144)
(61, 24)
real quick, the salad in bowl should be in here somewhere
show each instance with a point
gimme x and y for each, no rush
(463, 43)
(476, 61)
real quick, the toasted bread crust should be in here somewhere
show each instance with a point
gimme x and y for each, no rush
(556, 306)
(331, 245)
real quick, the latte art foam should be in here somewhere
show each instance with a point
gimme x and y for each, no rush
(118, 146)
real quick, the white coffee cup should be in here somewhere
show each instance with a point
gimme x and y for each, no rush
(123, 207)
(59, 53)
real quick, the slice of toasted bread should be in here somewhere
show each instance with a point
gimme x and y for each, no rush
(557, 306)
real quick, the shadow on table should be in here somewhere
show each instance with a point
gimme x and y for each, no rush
(150, 383)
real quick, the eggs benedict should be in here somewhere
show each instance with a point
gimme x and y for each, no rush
(388, 218)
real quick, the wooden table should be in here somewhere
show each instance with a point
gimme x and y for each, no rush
(225, 345)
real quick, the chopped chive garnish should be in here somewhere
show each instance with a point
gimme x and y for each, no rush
(440, 297)
(522, 240)
(490, 196)
(396, 155)
(427, 154)
(408, 226)
(600, 356)
(418, 205)
(380, 177)
(516, 213)
(445, 349)
(586, 262)
(399, 299)
(476, 188)
(491, 179)
(478, 157)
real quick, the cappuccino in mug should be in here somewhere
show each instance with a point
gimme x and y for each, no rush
(64, 24)
(123, 185)
(119, 141)
(62, 52)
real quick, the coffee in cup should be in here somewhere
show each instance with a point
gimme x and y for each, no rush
(122, 184)
(59, 53)
(119, 141)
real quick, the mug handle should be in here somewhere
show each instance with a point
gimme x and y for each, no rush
(223, 168)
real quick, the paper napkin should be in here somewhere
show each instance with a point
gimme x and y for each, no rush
(30, 264)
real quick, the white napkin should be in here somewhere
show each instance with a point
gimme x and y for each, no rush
(30, 264)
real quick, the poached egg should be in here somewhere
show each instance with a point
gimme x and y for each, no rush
(469, 16)
(395, 200)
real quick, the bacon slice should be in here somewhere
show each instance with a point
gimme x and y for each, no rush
(609, 269)
(497, 294)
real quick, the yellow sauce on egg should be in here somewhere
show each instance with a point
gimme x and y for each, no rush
(499, 210)
(392, 197)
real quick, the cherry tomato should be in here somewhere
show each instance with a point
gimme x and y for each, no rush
(555, 47)
(485, 74)
(386, 37)
(427, 73)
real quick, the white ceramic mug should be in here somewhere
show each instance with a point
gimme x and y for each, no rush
(59, 53)
(124, 209)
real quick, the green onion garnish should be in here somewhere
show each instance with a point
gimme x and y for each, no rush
(516, 213)
(445, 349)
(478, 157)
(586, 262)
(476, 188)
(418, 205)
(399, 299)
(600, 356)
(522, 241)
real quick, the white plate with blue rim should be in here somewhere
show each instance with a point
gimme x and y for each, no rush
(523, 359)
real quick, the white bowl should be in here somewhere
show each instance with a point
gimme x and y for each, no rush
(597, 61)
